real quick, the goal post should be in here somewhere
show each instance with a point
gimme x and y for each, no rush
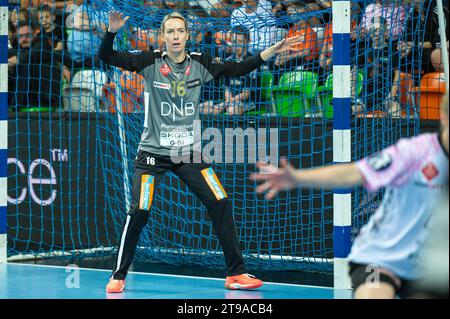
(3, 125)
(443, 37)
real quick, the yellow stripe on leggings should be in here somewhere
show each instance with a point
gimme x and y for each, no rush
(214, 183)
(147, 188)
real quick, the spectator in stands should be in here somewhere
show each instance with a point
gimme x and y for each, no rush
(203, 40)
(146, 39)
(325, 5)
(305, 55)
(436, 58)
(184, 7)
(393, 12)
(13, 4)
(26, 35)
(222, 48)
(178, 5)
(61, 4)
(153, 3)
(315, 18)
(222, 9)
(158, 8)
(279, 11)
(413, 54)
(13, 47)
(39, 71)
(32, 3)
(12, 36)
(384, 72)
(326, 52)
(223, 44)
(240, 93)
(59, 7)
(200, 27)
(155, 12)
(85, 37)
(256, 16)
(51, 33)
(415, 50)
(23, 38)
(18, 15)
(57, 4)
(197, 12)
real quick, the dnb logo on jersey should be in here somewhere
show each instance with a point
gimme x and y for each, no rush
(214, 183)
(380, 161)
(147, 189)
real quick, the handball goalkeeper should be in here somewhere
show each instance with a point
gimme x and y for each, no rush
(173, 80)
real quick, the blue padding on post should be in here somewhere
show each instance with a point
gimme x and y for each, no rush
(342, 112)
(2, 219)
(4, 3)
(3, 162)
(341, 52)
(342, 242)
(3, 49)
(3, 106)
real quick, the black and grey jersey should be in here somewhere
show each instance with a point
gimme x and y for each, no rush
(172, 91)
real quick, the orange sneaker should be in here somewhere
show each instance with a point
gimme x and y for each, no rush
(244, 281)
(115, 286)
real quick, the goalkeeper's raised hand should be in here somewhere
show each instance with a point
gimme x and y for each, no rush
(116, 21)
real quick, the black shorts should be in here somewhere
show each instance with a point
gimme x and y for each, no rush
(362, 274)
(201, 179)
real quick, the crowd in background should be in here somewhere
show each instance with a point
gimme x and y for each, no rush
(49, 41)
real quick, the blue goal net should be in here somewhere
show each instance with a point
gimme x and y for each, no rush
(75, 123)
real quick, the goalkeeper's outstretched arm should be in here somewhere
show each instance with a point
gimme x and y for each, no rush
(285, 177)
(125, 60)
(236, 69)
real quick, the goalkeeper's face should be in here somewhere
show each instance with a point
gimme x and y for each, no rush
(175, 35)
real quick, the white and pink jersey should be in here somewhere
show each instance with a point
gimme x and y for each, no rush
(415, 173)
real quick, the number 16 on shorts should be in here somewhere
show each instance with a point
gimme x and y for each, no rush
(150, 160)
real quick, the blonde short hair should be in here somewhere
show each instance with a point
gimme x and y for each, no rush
(173, 15)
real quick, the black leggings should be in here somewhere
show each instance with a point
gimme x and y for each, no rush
(201, 179)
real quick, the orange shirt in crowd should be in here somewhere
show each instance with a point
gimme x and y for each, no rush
(307, 41)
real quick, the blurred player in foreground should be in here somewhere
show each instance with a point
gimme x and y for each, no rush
(435, 260)
(414, 172)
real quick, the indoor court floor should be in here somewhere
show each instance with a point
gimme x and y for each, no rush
(30, 281)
